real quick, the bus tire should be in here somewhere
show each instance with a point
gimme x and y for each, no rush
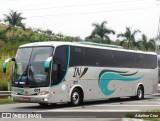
(140, 93)
(76, 97)
(43, 104)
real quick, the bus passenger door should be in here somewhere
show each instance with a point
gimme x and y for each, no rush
(59, 70)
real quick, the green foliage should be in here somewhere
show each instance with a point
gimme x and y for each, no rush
(4, 77)
(3, 86)
(100, 33)
(129, 37)
(145, 44)
(7, 49)
(129, 115)
(30, 35)
(2, 35)
(155, 112)
(6, 101)
(14, 19)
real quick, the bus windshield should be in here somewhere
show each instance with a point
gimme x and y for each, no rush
(28, 70)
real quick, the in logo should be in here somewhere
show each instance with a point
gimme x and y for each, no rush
(79, 72)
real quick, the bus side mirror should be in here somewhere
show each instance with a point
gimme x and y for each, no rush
(5, 63)
(47, 64)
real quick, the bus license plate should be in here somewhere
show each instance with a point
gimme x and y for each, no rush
(26, 99)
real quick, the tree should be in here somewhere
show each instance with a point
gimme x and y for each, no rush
(145, 44)
(152, 44)
(128, 37)
(14, 20)
(2, 35)
(101, 32)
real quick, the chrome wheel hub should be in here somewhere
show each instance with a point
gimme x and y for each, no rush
(140, 93)
(75, 97)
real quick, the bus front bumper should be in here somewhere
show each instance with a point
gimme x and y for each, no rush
(31, 99)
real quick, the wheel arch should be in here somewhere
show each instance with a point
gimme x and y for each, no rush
(79, 87)
(140, 84)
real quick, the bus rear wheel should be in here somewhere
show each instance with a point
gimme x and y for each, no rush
(43, 104)
(76, 97)
(140, 93)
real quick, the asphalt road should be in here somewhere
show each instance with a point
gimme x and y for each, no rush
(92, 110)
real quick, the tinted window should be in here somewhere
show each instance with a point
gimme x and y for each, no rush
(61, 59)
(81, 56)
(78, 56)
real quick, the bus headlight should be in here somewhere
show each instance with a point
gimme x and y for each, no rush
(44, 93)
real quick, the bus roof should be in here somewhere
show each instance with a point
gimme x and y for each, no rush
(102, 45)
(84, 44)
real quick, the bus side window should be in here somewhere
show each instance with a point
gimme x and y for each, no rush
(159, 76)
(77, 56)
(159, 71)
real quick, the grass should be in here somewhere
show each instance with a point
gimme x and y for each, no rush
(6, 101)
(152, 112)
(5, 77)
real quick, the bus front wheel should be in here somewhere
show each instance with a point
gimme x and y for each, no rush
(43, 104)
(76, 97)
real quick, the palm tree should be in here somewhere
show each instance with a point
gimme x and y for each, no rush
(101, 32)
(152, 44)
(129, 37)
(14, 20)
(144, 43)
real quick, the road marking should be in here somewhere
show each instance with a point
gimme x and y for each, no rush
(63, 110)
(125, 105)
(156, 99)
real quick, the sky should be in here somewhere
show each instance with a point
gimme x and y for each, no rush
(75, 17)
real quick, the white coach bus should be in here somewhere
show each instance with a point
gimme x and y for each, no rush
(159, 74)
(55, 72)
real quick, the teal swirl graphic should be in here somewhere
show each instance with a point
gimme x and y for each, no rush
(106, 76)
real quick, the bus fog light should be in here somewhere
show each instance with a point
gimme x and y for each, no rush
(44, 93)
(45, 99)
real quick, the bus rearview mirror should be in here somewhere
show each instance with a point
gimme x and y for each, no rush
(5, 63)
(47, 64)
